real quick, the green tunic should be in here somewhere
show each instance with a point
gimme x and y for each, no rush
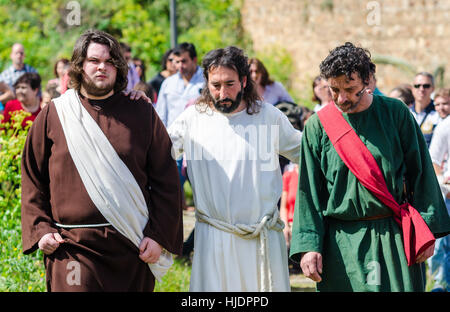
(365, 255)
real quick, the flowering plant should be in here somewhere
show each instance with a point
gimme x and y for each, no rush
(17, 272)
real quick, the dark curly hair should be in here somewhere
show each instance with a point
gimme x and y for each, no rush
(233, 58)
(31, 79)
(346, 60)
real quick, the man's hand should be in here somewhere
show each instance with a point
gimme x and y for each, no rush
(426, 254)
(149, 250)
(136, 95)
(311, 264)
(50, 242)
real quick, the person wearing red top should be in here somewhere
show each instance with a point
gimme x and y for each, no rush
(27, 98)
(290, 183)
(287, 203)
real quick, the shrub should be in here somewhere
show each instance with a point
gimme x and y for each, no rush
(17, 272)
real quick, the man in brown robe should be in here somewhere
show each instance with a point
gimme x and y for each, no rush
(81, 253)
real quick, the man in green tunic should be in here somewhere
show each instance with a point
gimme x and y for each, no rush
(344, 238)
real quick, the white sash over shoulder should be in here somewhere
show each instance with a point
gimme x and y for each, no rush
(108, 181)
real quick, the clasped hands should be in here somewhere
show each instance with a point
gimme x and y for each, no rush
(149, 250)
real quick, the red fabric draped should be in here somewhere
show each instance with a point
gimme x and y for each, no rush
(417, 237)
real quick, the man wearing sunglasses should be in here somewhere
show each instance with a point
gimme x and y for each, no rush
(423, 108)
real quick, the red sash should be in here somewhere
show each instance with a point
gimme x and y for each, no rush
(417, 237)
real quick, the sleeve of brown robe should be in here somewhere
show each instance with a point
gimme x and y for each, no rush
(166, 218)
(35, 210)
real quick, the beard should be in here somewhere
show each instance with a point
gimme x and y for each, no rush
(221, 107)
(348, 106)
(92, 89)
(351, 106)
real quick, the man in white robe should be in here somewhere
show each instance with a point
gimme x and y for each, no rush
(232, 142)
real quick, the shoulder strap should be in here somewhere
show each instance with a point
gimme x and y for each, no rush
(355, 154)
(359, 160)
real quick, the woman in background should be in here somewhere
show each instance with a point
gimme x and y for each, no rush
(321, 93)
(403, 92)
(270, 91)
(168, 69)
(60, 70)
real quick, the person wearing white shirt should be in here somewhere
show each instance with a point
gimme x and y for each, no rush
(439, 263)
(423, 107)
(177, 90)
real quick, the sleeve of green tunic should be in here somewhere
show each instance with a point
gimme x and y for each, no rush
(308, 224)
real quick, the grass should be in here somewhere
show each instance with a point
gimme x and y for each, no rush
(177, 278)
(20, 273)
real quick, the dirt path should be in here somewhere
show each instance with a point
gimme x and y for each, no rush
(299, 283)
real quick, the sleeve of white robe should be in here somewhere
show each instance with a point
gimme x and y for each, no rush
(289, 139)
(177, 131)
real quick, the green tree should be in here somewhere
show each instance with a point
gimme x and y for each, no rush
(42, 27)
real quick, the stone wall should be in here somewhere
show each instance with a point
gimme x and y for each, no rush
(415, 32)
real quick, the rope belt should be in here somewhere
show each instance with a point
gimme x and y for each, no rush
(252, 231)
(77, 226)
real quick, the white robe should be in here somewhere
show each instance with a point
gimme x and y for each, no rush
(232, 164)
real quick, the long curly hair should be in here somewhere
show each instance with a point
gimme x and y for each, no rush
(348, 59)
(80, 52)
(233, 58)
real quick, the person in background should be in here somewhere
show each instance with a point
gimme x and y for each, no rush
(60, 69)
(168, 69)
(321, 93)
(290, 185)
(439, 263)
(6, 94)
(18, 67)
(372, 86)
(132, 77)
(147, 89)
(140, 68)
(27, 89)
(50, 93)
(295, 114)
(306, 114)
(179, 89)
(423, 108)
(403, 93)
(442, 102)
(270, 91)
